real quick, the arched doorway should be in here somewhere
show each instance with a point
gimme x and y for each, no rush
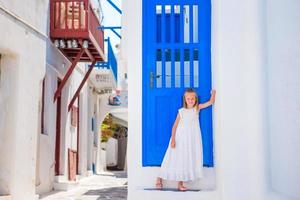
(114, 142)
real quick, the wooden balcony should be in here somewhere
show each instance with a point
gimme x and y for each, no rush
(74, 25)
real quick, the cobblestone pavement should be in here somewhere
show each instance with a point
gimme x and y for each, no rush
(98, 187)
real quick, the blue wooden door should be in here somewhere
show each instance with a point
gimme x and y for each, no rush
(176, 56)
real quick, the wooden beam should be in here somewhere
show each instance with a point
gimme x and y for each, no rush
(81, 85)
(70, 70)
(89, 55)
(87, 51)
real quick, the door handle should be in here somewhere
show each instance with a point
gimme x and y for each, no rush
(152, 76)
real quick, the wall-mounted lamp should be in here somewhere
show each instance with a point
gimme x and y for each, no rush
(56, 43)
(69, 44)
(85, 44)
(62, 44)
(74, 43)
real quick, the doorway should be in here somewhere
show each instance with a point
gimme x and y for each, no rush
(58, 131)
(176, 56)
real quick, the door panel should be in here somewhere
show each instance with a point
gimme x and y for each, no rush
(176, 56)
(72, 167)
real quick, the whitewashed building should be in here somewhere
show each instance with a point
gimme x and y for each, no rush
(46, 141)
(254, 68)
(23, 65)
(69, 143)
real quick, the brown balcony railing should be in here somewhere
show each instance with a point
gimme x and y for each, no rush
(75, 19)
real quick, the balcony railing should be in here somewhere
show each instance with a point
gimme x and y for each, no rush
(73, 21)
(105, 74)
(111, 59)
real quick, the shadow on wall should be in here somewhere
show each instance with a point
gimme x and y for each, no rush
(9, 66)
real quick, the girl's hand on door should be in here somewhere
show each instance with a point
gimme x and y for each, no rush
(173, 143)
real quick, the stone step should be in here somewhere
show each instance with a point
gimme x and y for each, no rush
(5, 197)
(65, 186)
(172, 194)
(61, 183)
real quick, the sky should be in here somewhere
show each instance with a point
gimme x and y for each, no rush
(111, 18)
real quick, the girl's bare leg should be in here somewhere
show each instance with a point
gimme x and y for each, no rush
(159, 184)
(181, 186)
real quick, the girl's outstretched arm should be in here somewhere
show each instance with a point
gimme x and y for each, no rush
(174, 130)
(210, 102)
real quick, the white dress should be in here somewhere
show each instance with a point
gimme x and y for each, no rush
(185, 161)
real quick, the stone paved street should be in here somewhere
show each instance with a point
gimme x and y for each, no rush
(98, 187)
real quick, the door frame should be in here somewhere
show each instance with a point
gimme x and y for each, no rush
(203, 45)
(78, 134)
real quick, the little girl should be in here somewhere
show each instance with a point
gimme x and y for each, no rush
(183, 160)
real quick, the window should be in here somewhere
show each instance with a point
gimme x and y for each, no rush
(74, 116)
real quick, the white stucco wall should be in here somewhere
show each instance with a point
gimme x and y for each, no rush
(238, 50)
(250, 55)
(54, 70)
(90, 134)
(283, 30)
(57, 65)
(8, 81)
(22, 71)
(112, 152)
(70, 131)
(32, 12)
(46, 159)
(84, 131)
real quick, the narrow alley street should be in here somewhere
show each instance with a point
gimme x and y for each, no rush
(112, 185)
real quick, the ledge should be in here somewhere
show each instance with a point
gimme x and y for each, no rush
(5, 197)
(171, 194)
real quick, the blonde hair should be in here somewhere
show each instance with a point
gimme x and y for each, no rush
(190, 90)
